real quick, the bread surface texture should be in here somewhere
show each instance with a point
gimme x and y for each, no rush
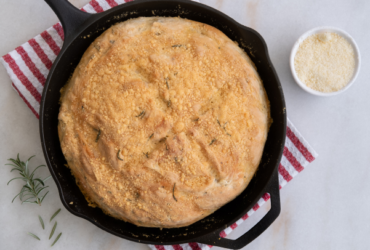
(163, 121)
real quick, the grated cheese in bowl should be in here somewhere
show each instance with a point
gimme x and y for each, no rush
(325, 61)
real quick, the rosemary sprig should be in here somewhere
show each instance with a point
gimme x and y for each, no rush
(31, 191)
(53, 230)
(55, 214)
(34, 236)
(55, 241)
(41, 222)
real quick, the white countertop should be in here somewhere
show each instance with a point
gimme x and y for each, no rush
(325, 207)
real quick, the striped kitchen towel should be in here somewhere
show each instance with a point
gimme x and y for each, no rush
(28, 66)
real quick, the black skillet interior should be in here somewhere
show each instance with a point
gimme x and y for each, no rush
(75, 45)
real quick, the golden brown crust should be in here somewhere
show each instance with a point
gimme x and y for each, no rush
(163, 122)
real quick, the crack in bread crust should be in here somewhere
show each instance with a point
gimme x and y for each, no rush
(170, 103)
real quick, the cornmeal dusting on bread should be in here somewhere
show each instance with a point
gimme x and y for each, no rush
(325, 62)
(163, 122)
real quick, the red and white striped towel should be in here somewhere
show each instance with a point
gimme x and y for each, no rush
(29, 64)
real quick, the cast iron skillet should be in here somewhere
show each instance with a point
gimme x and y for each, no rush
(80, 30)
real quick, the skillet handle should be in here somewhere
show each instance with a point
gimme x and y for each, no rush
(215, 239)
(70, 17)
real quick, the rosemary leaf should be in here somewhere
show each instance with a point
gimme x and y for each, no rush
(98, 136)
(40, 189)
(17, 196)
(44, 196)
(15, 179)
(14, 168)
(53, 230)
(119, 158)
(141, 115)
(34, 236)
(39, 180)
(47, 178)
(55, 241)
(219, 123)
(32, 202)
(27, 200)
(168, 86)
(55, 214)
(173, 192)
(33, 172)
(214, 139)
(163, 139)
(41, 222)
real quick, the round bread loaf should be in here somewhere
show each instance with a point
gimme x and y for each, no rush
(163, 121)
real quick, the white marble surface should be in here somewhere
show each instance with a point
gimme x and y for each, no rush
(325, 207)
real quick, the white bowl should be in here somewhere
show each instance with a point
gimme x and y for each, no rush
(319, 30)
